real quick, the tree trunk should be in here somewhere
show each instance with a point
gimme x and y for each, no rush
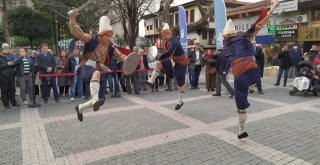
(31, 43)
(5, 21)
(54, 18)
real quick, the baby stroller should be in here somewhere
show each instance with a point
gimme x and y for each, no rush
(303, 82)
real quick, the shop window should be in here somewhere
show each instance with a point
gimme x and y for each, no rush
(211, 35)
(176, 19)
(187, 12)
(204, 35)
(317, 14)
(157, 23)
(150, 27)
(147, 28)
(171, 20)
(192, 15)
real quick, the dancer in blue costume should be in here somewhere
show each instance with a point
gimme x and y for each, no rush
(239, 51)
(174, 57)
(98, 51)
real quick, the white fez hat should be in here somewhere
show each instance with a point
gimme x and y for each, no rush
(165, 27)
(229, 28)
(5, 46)
(104, 24)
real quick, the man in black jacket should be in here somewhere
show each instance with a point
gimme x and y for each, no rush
(223, 65)
(259, 57)
(47, 64)
(7, 80)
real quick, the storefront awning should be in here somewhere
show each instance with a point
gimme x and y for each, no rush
(267, 39)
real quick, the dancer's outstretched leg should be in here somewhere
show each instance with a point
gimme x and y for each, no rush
(242, 117)
(95, 102)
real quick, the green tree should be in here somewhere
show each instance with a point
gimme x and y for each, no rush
(28, 23)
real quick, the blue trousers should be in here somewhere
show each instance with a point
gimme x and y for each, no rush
(195, 75)
(45, 89)
(241, 86)
(281, 70)
(113, 79)
(76, 85)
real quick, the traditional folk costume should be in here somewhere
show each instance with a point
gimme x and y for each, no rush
(175, 58)
(96, 56)
(239, 51)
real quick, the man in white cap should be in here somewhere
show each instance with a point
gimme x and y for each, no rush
(239, 51)
(174, 57)
(98, 51)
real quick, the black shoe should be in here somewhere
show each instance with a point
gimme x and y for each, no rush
(251, 91)
(284, 85)
(192, 88)
(178, 106)
(45, 101)
(243, 135)
(137, 93)
(151, 85)
(216, 94)
(57, 100)
(15, 105)
(276, 84)
(170, 89)
(7, 107)
(115, 95)
(231, 96)
(261, 92)
(145, 89)
(79, 115)
(97, 104)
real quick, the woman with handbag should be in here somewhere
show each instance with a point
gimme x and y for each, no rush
(211, 70)
(62, 80)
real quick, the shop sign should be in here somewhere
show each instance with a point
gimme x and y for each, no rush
(286, 27)
(291, 5)
(287, 33)
(309, 34)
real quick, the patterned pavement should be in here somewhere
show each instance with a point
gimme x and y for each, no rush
(144, 130)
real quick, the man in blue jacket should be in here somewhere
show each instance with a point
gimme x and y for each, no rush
(296, 57)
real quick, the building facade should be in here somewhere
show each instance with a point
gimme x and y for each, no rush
(204, 35)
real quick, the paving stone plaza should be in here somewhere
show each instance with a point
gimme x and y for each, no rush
(144, 130)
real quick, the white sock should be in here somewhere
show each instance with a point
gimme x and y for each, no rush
(180, 98)
(153, 77)
(242, 117)
(94, 90)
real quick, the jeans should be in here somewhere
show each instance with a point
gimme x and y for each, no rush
(25, 83)
(113, 80)
(293, 71)
(286, 70)
(45, 88)
(195, 75)
(76, 85)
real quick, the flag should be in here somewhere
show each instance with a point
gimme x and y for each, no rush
(220, 19)
(183, 28)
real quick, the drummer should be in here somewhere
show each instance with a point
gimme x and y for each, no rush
(98, 51)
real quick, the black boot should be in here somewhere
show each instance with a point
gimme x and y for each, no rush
(243, 135)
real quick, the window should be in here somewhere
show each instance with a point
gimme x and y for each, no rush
(316, 14)
(150, 27)
(192, 15)
(171, 20)
(187, 17)
(147, 28)
(204, 35)
(157, 23)
(176, 19)
(211, 35)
